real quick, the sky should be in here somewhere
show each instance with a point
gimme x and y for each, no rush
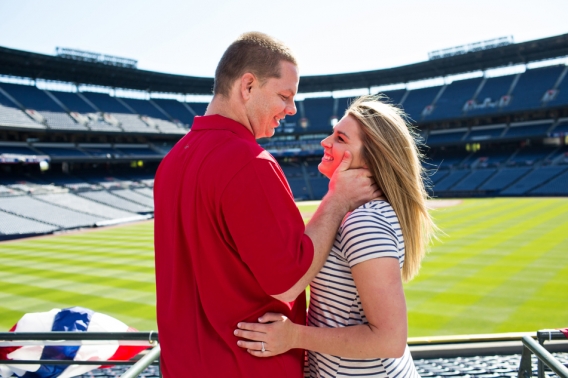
(328, 36)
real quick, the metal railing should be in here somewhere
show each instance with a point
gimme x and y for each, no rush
(530, 346)
(150, 339)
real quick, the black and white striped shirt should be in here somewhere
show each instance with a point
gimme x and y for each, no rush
(371, 231)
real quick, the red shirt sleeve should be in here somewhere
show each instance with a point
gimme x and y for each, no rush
(266, 227)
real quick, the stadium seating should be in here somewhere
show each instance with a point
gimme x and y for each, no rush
(60, 150)
(533, 180)
(487, 101)
(76, 203)
(394, 97)
(474, 180)
(32, 208)
(490, 157)
(481, 133)
(320, 186)
(530, 155)
(177, 110)
(562, 95)
(557, 186)
(438, 175)
(119, 202)
(12, 116)
(451, 102)
(439, 137)
(447, 182)
(299, 188)
(35, 99)
(417, 100)
(528, 129)
(319, 112)
(145, 108)
(561, 127)
(531, 87)
(503, 178)
(12, 225)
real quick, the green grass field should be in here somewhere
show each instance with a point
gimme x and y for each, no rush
(501, 267)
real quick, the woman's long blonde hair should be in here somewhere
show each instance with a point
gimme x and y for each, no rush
(391, 153)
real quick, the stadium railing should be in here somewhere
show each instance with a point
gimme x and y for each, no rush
(12, 339)
(530, 346)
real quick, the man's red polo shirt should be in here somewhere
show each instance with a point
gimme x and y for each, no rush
(227, 236)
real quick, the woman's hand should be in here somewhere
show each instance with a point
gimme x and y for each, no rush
(274, 333)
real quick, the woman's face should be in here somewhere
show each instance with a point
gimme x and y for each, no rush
(345, 137)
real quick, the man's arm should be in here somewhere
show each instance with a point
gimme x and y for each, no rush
(348, 189)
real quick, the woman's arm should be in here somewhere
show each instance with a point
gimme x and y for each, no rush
(380, 288)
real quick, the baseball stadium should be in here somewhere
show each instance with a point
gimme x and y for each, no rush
(82, 135)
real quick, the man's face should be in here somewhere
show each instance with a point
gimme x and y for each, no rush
(273, 100)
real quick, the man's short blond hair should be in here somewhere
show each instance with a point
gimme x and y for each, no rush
(252, 52)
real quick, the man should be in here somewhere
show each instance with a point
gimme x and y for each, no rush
(230, 243)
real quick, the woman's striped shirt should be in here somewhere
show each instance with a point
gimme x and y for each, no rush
(371, 231)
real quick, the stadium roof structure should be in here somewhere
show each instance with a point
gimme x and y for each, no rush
(48, 67)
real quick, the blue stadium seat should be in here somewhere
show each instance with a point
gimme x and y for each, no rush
(480, 133)
(491, 157)
(528, 129)
(299, 188)
(106, 103)
(474, 180)
(417, 100)
(504, 178)
(557, 186)
(562, 95)
(450, 180)
(176, 109)
(530, 155)
(531, 87)
(320, 185)
(451, 103)
(561, 128)
(319, 112)
(439, 175)
(73, 102)
(342, 105)
(534, 179)
(145, 107)
(488, 98)
(439, 137)
(394, 97)
(56, 152)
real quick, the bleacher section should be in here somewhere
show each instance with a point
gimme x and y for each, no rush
(38, 204)
(39, 101)
(556, 186)
(528, 129)
(531, 87)
(417, 100)
(31, 208)
(439, 137)
(504, 178)
(474, 180)
(488, 99)
(481, 133)
(451, 102)
(319, 112)
(534, 179)
(12, 116)
(177, 110)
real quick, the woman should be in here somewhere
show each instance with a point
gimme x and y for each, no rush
(357, 316)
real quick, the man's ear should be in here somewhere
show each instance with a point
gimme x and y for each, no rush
(247, 82)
